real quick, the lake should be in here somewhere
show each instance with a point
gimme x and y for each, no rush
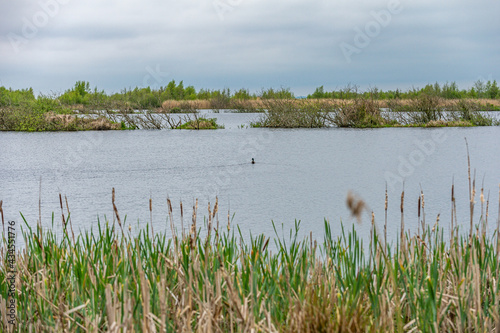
(299, 174)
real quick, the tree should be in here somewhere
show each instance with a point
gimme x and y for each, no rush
(492, 89)
(318, 93)
(480, 88)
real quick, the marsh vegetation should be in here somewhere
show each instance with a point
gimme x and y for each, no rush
(208, 277)
(432, 105)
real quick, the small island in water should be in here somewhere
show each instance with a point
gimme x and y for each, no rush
(177, 107)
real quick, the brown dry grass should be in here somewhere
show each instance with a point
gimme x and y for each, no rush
(260, 103)
(72, 122)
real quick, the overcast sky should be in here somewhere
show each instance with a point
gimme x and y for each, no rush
(299, 44)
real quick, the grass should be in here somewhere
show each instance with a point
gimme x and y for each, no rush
(46, 114)
(106, 279)
(200, 124)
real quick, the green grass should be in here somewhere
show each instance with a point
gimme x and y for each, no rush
(107, 278)
(200, 124)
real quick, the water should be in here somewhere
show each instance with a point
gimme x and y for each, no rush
(300, 174)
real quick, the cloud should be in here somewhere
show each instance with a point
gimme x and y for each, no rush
(245, 43)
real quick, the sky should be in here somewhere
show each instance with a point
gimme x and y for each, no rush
(255, 44)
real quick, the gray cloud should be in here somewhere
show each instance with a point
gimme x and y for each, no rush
(251, 44)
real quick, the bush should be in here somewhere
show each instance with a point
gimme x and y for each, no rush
(359, 112)
(200, 124)
(291, 113)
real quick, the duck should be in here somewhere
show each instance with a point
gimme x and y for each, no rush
(253, 161)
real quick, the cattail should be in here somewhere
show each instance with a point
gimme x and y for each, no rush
(182, 220)
(452, 210)
(386, 197)
(170, 216)
(419, 198)
(355, 205)
(115, 209)
(402, 201)
(216, 207)
(209, 221)
(436, 224)
(402, 233)
(69, 218)
(62, 211)
(386, 206)
(193, 226)
(151, 214)
(1, 213)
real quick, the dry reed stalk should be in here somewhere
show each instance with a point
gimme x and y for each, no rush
(193, 225)
(402, 234)
(170, 217)
(487, 212)
(452, 211)
(3, 312)
(386, 205)
(209, 223)
(163, 303)
(498, 227)
(216, 207)
(62, 216)
(473, 203)
(151, 215)
(39, 224)
(1, 214)
(123, 233)
(69, 218)
(418, 214)
(147, 323)
(482, 218)
(216, 213)
(476, 279)
(423, 214)
(471, 191)
(115, 210)
(182, 221)
(110, 309)
(61, 310)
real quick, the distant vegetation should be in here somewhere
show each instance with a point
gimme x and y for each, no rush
(480, 89)
(21, 110)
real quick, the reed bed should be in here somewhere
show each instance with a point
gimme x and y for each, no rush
(108, 279)
(361, 112)
(258, 104)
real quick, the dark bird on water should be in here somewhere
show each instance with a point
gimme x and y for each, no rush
(253, 161)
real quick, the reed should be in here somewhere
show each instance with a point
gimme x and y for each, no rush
(214, 279)
(363, 112)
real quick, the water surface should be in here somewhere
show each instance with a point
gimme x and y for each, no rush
(300, 174)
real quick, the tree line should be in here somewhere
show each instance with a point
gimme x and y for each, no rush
(82, 93)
